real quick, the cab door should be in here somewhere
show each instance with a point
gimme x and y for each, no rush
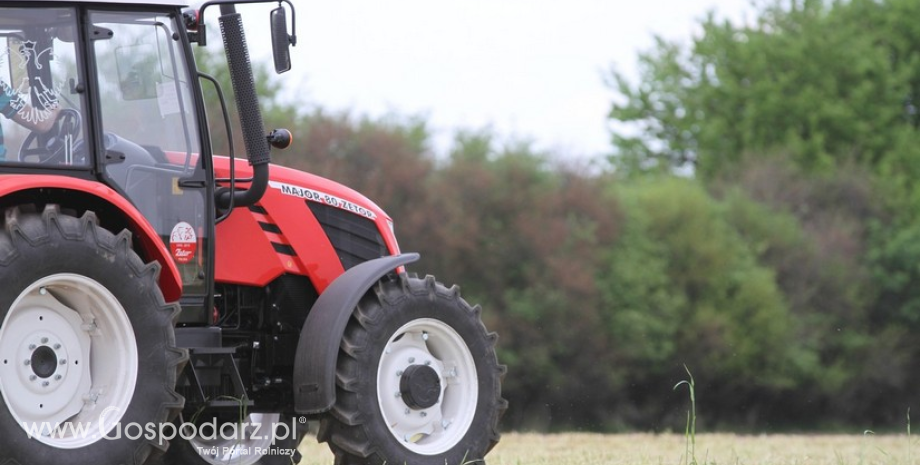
(150, 144)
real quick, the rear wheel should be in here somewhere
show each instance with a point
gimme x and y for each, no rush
(87, 351)
(418, 380)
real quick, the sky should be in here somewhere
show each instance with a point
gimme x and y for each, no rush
(528, 69)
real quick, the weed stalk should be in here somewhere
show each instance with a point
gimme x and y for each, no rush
(690, 430)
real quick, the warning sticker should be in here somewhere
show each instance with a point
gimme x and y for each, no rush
(183, 242)
(322, 197)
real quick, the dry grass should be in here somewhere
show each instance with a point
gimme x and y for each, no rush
(669, 449)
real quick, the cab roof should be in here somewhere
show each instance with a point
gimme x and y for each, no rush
(119, 2)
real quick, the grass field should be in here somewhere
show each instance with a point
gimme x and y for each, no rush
(669, 449)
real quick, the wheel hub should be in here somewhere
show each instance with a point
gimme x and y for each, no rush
(44, 362)
(427, 386)
(420, 387)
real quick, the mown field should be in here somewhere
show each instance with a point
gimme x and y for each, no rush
(665, 449)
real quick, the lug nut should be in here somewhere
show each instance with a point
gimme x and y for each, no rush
(27, 362)
(424, 336)
(32, 377)
(45, 383)
(57, 347)
(63, 362)
(44, 340)
(411, 359)
(32, 346)
(57, 377)
(399, 372)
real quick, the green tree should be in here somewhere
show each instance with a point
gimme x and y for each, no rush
(827, 83)
(811, 110)
(683, 286)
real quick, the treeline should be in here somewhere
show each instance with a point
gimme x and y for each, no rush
(758, 222)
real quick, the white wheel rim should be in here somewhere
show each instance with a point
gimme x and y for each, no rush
(244, 444)
(438, 428)
(68, 361)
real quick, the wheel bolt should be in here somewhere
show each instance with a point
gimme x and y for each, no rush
(427, 362)
(424, 414)
(42, 291)
(399, 372)
(408, 411)
(398, 394)
(27, 362)
(63, 362)
(45, 383)
(57, 346)
(32, 346)
(424, 336)
(411, 359)
(57, 377)
(44, 340)
(32, 377)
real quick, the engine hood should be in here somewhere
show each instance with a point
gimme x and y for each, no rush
(307, 186)
(303, 224)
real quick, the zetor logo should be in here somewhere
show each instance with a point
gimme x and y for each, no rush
(183, 242)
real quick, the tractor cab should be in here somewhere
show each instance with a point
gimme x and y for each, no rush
(113, 101)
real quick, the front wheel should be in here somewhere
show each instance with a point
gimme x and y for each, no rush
(418, 380)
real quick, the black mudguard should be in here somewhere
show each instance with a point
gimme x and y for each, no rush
(318, 347)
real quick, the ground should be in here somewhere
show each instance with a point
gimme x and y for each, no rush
(664, 449)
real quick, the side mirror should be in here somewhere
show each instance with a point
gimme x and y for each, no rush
(281, 41)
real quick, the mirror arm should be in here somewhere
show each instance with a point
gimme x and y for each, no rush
(201, 34)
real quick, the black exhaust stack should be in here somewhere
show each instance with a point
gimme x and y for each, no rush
(247, 102)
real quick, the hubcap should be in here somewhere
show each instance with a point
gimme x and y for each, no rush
(68, 361)
(427, 386)
(420, 387)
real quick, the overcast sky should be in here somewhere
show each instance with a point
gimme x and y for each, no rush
(530, 69)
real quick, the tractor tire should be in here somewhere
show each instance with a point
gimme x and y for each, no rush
(418, 380)
(257, 445)
(88, 360)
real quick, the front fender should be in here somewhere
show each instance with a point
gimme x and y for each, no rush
(153, 248)
(318, 347)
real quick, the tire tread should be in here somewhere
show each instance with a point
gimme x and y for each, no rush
(343, 428)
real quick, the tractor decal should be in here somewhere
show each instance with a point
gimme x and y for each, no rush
(323, 198)
(183, 242)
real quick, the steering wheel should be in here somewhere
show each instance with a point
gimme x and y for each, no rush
(62, 135)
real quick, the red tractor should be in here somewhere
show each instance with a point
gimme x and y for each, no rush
(160, 303)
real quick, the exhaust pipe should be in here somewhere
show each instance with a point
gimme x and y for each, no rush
(247, 101)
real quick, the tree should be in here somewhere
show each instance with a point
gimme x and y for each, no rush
(811, 110)
(828, 83)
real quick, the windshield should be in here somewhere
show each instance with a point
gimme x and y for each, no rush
(40, 101)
